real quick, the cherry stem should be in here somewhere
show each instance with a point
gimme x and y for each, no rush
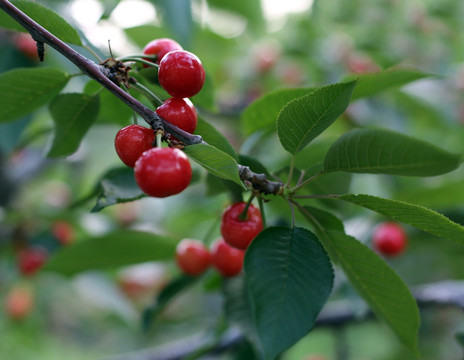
(306, 182)
(261, 210)
(155, 100)
(159, 137)
(244, 214)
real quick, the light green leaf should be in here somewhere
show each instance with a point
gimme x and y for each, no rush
(45, 17)
(262, 113)
(24, 90)
(384, 291)
(215, 161)
(214, 137)
(116, 249)
(414, 215)
(375, 83)
(117, 186)
(380, 151)
(305, 118)
(289, 278)
(73, 114)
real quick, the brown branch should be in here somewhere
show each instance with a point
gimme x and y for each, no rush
(101, 74)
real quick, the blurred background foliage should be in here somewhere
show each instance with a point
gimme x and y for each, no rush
(248, 48)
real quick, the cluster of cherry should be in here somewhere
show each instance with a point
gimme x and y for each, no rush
(241, 223)
(164, 171)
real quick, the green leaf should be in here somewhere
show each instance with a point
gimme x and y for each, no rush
(380, 151)
(375, 83)
(215, 161)
(414, 215)
(305, 118)
(117, 186)
(237, 307)
(384, 291)
(169, 292)
(24, 90)
(253, 164)
(73, 114)
(45, 17)
(262, 113)
(326, 219)
(289, 277)
(213, 137)
(178, 15)
(112, 110)
(116, 249)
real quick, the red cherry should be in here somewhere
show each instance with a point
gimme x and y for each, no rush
(239, 233)
(31, 260)
(19, 302)
(160, 47)
(226, 259)
(162, 172)
(179, 112)
(132, 141)
(63, 232)
(181, 74)
(192, 257)
(27, 45)
(389, 239)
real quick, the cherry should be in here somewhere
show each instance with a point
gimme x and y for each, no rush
(160, 47)
(19, 302)
(26, 45)
(63, 232)
(162, 172)
(389, 239)
(226, 259)
(181, 74)
(30, 260)
(238, 232)
(179, 112)
(192, 257)
(132, 141)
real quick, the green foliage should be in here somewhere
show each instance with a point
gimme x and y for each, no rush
(289, 278)
(303, 119)
(73, 115)
(379, 151)
(213, 137)
(49, 19)
(25, 90)
(112, 251)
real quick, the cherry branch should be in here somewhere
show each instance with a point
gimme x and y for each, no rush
(101, 74)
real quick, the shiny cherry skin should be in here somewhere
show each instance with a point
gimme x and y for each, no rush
(389, 239)
(30, 260)
(227, 260)
(63, 232)
(181, 74)
(160, 47)
(162, 172)
(237, 232)
(179, 112)
(132, 141)
(19, 302)
(192, 257)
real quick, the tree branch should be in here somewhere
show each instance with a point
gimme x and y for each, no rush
(101, 74)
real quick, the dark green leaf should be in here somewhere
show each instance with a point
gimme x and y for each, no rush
(215, 161)
(213, 137)
(460, 338)
(178, 15)
(253, 164)
(306, 117)
(384, 291)
(250, 10)
(414, 215)
(24, 90)
(381, 151)
(205, 98)
(73, 114)
(117, 186)
(289, 277)
(119, 248)
(262, 113)
(372, 84)
(326, 219)
(45, 17)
